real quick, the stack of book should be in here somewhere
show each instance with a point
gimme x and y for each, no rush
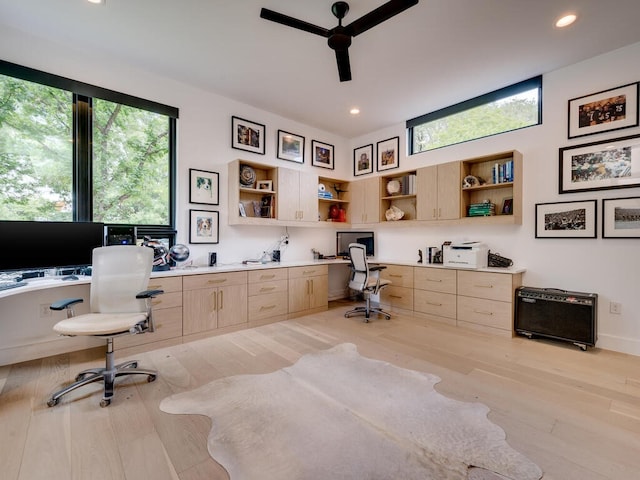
(503, 173)
(484, 209)
(325, 194)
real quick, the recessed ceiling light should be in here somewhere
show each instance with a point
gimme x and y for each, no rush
(354, 111)
(97, 1)
(566, 20)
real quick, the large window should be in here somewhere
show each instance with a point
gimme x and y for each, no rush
(510, 108)
(75, 152)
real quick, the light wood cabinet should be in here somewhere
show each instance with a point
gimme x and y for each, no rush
(213, 301)
(268, 295)
(248, 204)
(438, 196)
(365, 201)
(167, 314)
(435, 293)
(485, 300)
(502, 177)
(400, 294)
(297, 199)
(308, 289)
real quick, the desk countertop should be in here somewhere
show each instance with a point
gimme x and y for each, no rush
(42, 283)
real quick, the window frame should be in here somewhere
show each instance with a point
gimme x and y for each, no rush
(82, 102)
(500, 94)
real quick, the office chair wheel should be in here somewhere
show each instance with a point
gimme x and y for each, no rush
(151, 378)
(105, 402)
(52, 402)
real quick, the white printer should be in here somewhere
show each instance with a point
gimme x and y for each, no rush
(465, 255)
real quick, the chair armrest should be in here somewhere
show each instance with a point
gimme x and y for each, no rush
(375, 268)
(65, 303)
(149, 293)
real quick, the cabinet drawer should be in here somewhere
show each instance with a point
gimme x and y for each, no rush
(435, 303)
(488, 313)
(399, 297)
(262, 288)
(494, 286)
(168, 284)
(400, 275)
(270, 274)
(435, 279)
(265, 306)
(167, 300)
(168, 324)
(213, 280)
(310, 271)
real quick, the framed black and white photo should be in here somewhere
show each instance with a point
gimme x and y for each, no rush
(203, 226)
(204, 187)
(290, 147)
(388, 152)
(321, 154)
(246, 135)
(363, 160)
(264, 185)
(604, 111)
(621, 217)
(566, 219)
(600, 165)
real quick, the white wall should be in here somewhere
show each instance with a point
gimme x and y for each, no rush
(607, 267)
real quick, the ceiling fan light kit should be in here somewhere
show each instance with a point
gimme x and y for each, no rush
(339, 37)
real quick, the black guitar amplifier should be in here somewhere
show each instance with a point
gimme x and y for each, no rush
(558, 314)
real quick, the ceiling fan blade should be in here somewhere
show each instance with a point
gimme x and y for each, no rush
(293, 22)
(379, 15)
(344, 67)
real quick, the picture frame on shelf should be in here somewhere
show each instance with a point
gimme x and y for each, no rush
(388, 154)
(602, 165)
(363, 160)
(264, 185)
(204, 187)
(290, 147)
(247, 135)
(322, 154)
(507, 206)
(604, 111)
(621, 217)
(575, 219)
(204, 226)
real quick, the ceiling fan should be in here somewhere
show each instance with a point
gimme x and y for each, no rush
(339, 38)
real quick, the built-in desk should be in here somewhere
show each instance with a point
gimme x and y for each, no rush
(26, 322)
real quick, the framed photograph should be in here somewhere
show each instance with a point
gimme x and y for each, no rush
(290, 147)
(246, 135)
(621, 217)
(604, 111)
(264, 185)
(363, 160)
(507, 206)
(204, 187)
(203, 226)
(321, 154)
(566, 219)
(600, 165)
(388, 154)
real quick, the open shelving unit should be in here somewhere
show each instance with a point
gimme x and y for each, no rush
(341, 198)
(258, 204)
(404, 198)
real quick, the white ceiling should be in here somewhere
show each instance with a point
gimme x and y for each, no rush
(435, 54)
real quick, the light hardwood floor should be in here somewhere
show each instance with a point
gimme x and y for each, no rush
(576, 414)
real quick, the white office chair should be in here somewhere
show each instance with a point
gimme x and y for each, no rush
(362, 281)
(120, 305)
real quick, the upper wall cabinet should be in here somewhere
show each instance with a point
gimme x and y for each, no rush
(365, 201)
(297, 197)
(252, 193)
(439, 192)
(492, 189)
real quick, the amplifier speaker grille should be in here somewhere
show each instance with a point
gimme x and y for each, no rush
(558, 314)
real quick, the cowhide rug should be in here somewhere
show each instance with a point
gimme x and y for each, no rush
(338, 415)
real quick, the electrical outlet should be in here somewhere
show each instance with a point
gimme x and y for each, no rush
(615, 308)
(45, 311)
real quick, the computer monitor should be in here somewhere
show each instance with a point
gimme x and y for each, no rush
(28, 245)
(343, 239)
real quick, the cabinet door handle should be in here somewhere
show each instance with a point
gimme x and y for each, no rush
(267, 277)
(267, 307)
(484, 286)
(155, 287)
(307, 287)
(482, 312)
(213, 302)
(221, 302)
(434, 280)
(434, 304)
(267, 289)
(217, 280)
(395, 296)
(308, 272)
(311, 286)
(434, 213)
(395, 275)
(439, 212)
